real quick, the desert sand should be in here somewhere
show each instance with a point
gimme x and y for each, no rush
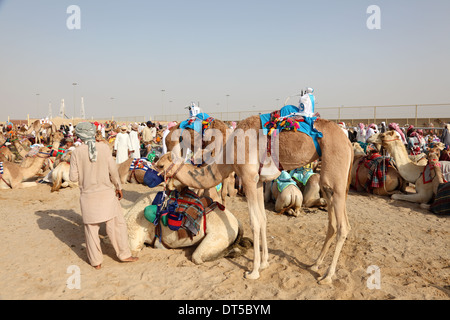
(43, 237)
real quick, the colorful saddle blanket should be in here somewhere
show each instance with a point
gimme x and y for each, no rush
(428, 177)
(288, 119)
(378, 166)
(199, 123)
(190, 209)
(139, 164)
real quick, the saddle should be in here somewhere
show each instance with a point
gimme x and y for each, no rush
(378, 166)
(182, 212)
(288, 119)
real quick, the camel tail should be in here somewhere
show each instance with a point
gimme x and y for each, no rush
(240, 245)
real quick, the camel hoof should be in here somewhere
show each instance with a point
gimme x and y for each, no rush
(251, 275)
(314, 268)
(325, 280)
(264, 265)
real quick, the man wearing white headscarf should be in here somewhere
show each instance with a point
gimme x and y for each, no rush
(93, 167)
(135, 143)
(122, 145)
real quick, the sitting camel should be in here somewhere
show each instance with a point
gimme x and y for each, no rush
(14, 175)
(223, 230)
(287, 195)
(60, 174)
(309, 183)
(364, 163)
(411, 172)
(5, 152)
(441, 188)
(127, 174)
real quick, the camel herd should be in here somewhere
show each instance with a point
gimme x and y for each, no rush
(341, 166)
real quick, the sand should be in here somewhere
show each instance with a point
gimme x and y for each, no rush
(43, 242)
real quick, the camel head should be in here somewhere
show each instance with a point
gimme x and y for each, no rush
(375, 138)
(167, 165)
(386, 138)
(57, 136)
(436, 148)
(358, 150)
(433, 158)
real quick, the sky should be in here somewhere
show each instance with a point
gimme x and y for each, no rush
(258, 52)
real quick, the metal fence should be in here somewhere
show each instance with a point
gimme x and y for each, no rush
(417, 115)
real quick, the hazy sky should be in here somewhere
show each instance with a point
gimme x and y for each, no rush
(256, 51)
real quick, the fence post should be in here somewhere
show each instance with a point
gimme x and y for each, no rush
(415, 122)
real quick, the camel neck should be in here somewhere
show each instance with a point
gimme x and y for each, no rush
(407, 169)
(204, 177)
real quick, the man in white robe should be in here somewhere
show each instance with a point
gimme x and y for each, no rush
(135, 143)
(122, 145)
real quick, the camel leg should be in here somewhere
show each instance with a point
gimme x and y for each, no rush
(25, 185)
(331, 233)
(263, 219)
(419, 197)
(343, 229)
(256, 224)
(211, 247)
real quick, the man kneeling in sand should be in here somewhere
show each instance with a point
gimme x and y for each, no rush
(93, 167)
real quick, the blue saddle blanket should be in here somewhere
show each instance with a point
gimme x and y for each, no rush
(306, 126)
(194, 123)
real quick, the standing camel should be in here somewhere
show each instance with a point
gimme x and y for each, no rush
(296, 149)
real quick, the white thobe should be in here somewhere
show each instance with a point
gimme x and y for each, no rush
(122, 145)
(135, 145)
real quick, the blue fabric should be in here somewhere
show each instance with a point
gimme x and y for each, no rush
(313, 101)
(302, 175)
(284, 180)
(196, 124)
(305, 127)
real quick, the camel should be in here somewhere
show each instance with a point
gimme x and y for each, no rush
(441, 188)
(60, 174)
(38, 127)
(311, 191)
(56, 138)
(288, 200)
(5, 152)
(223, 231)
(296, 149)
(409, 170)
(21, 149)
(392, 181)
(15, 175)
(175, 142)
(126, 175)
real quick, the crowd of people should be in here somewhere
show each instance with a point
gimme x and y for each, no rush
(416, 140)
